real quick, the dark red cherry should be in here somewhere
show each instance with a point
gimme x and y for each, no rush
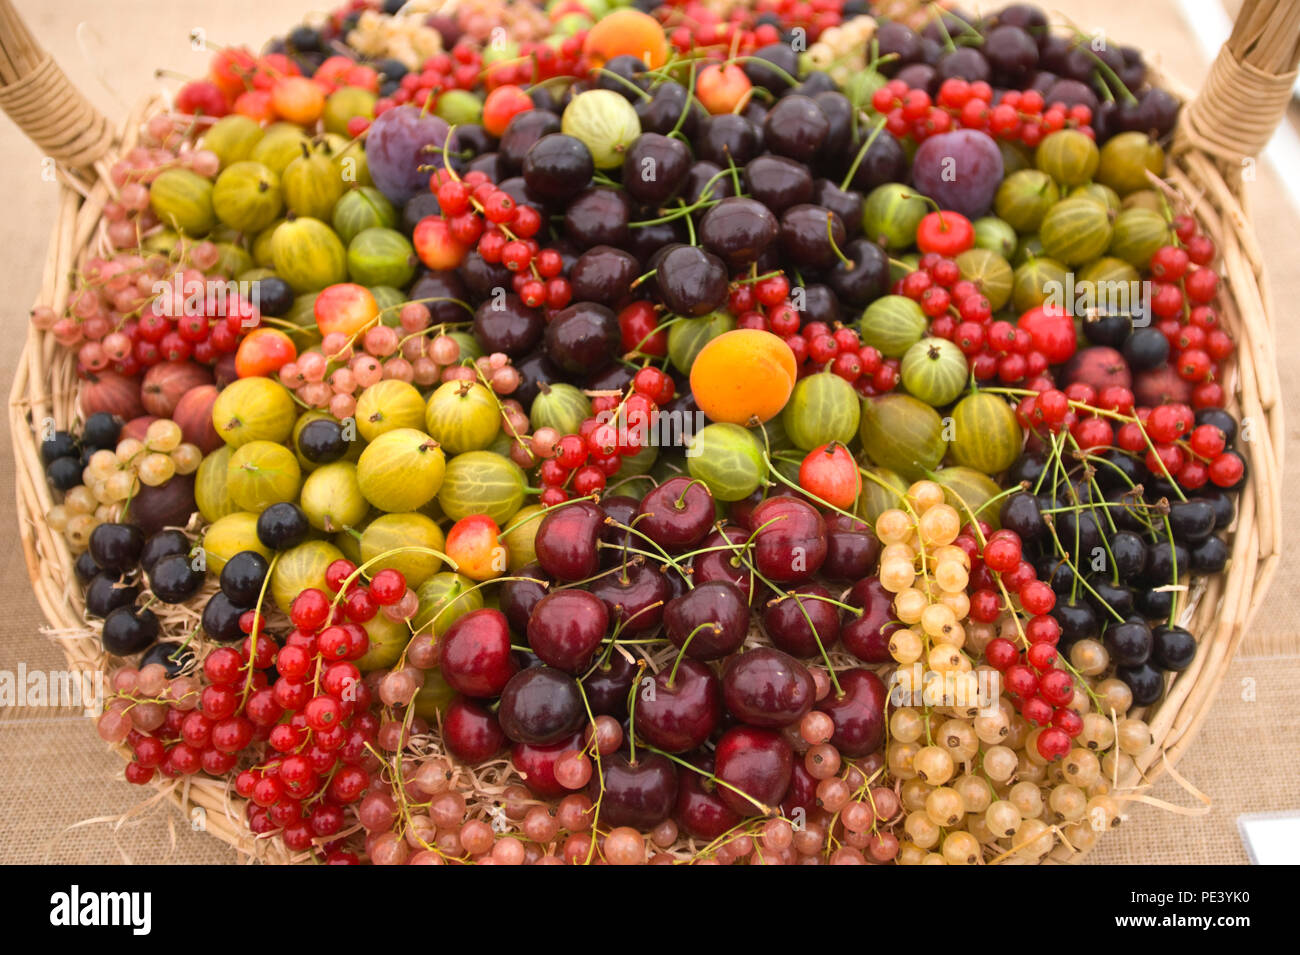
(634, 596)
(866, 636)
(518, 597)
(474, 654)
(639, 794)
(796, 127)
(677, 514)
(758, 763)
(566, 628)
(536, 764)
(691, 281)
(851, 548)
(786, 620)
(608, 684)
(739, 229)
(678, 711)
(655, 168)
(567, 538)
(471, 731)
(802, 793)
(724, 563)
(700, 811)
(806, 238)
(603, 275)
(583, 338)
(767, 688)
(597, 216)
(740, 511)
(789, 539)
(845, 203)
(620, 509)
(709, 622)
(541, 705)
(858, 712)
(778, 183)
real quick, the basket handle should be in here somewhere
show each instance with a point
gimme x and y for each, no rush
(40, 98)
(1249, 85)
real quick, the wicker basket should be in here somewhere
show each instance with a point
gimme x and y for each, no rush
(1215, 143)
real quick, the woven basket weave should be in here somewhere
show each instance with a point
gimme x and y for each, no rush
(1220, 132)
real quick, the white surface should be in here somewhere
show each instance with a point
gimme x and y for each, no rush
(1271, 838)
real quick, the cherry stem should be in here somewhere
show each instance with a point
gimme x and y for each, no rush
(653, 543)
(857, 160)
(623, 81)
(830, 237)
(762, 808)
(857, 611)
(633, 693)
(257, 628)
(600, 772)
(681, 498)
(672, 674)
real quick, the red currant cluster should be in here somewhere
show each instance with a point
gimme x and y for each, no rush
(112, 323)
(475, 213)
(1184, 288)
(765, 305)
(540, 61)
(1019, 116)
(462, 68)
(321, 760)
(1179, 449)
(619, 427)
(205, 338)
(702, 25)
(1053, 410)
(961, 313)
(1041, 691)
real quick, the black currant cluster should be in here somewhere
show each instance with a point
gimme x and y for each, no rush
(242, 577)
(1115, 544)
(279, 527)
(111, 570)
(66, 455)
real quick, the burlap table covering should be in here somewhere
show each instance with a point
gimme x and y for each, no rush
(62, 797)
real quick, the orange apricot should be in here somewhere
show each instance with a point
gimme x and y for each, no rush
(626, 32)
(298, 99)
(743, 375)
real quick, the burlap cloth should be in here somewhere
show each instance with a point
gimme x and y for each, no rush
(55, 775)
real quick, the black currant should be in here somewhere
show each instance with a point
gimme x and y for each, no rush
(221, 618)
(242, 577)
(128, 630)
(1129, 643)
(103, 429)
(282, 526)
(59, 444)
(174, 657)
(1172, 648)
(108, 591)
(163, 544)
(174, 580)
(64, 474)
(321, 441)
(116, 546)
